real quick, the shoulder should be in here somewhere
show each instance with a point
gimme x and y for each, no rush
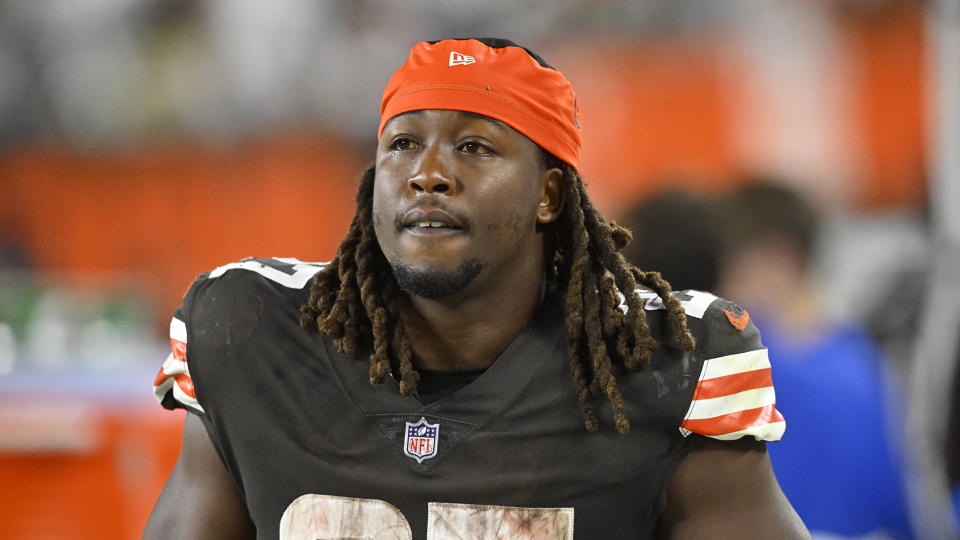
(718, 325)
(256, 272)
(734, 395)
(223, 306)
(244, 290)
(239, 294)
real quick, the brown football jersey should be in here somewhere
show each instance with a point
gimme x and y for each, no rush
(317, 451)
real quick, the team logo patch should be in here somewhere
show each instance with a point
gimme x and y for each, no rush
(420, 440)
(460, 59)
(738, 321)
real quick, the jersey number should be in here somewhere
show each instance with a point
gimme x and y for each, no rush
(327, 517)
(292, 273)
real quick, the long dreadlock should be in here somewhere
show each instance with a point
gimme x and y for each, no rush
(355, 299)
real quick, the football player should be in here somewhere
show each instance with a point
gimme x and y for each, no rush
(478, 360)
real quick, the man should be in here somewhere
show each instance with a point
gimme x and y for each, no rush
(676, 231)
(830, 374)
(484, 289)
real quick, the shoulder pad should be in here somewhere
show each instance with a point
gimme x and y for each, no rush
(289, 272)
(734, 396)
(174, 386)
(694, 303)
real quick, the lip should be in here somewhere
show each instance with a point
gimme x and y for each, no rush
(416, 215)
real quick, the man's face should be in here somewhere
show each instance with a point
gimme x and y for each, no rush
(457, 196)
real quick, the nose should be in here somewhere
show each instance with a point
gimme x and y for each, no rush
(433, 174)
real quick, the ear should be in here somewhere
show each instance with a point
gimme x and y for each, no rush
(553, 189)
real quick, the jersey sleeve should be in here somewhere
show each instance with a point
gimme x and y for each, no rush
(173, 386)
(734, 396)
(204, 318)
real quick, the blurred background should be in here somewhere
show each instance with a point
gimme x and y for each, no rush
(801, 157)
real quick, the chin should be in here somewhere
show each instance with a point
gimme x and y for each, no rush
(434, 282)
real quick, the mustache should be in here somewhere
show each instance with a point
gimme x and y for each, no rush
(439, 204)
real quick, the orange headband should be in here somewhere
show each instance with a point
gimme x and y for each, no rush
(502, 82)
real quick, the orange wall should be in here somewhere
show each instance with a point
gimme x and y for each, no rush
(892, 121)
(106, 490)
(169, 214)
(653, 112)
(659, 112)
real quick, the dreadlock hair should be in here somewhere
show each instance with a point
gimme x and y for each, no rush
(355, 299)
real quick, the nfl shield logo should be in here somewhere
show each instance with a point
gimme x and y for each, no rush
(420, 440)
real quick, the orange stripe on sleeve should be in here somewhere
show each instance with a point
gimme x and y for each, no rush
(186, 384)
(731, 384)
(179, 349)
(161, 377)
(733, 422)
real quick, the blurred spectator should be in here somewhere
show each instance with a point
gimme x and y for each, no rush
(840, 462)
(676, 233)
(952, 446)
(14, 254)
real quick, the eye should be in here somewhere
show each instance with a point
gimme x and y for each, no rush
(474, 147)
(402, 143)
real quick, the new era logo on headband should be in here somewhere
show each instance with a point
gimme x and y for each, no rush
(458, 59)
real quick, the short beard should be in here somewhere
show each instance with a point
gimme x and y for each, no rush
(432, 284)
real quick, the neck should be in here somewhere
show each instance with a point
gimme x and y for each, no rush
(470, 329)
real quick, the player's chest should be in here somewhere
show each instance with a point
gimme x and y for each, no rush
(336, 457)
